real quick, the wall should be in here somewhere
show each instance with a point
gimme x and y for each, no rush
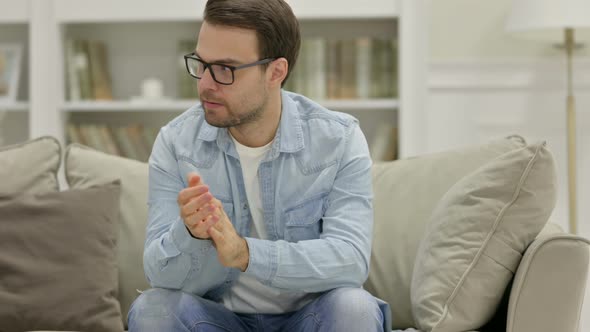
(485, 82)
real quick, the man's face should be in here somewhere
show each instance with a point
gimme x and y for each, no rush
(244, 100)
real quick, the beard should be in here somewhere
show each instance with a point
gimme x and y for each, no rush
(253, 110)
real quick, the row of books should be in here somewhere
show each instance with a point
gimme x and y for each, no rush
(133, 141)
(87, 70)
(384, 144)
(326, 69)
(360, 68)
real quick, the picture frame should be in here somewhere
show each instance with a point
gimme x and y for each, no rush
(10, 67)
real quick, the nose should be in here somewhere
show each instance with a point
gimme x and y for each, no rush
(207, 82)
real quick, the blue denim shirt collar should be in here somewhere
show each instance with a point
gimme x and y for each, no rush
(288, 139)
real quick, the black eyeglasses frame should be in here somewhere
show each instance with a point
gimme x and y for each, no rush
(207, 65)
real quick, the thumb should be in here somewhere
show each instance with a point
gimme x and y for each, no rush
(216, 236)
(193, 179)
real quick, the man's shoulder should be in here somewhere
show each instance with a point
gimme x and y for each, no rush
(187, 122)
(315, 116)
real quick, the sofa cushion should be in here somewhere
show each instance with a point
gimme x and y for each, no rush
(476, 236)
(86, 167)
(30, 167)
(57, 268)
(405, 194)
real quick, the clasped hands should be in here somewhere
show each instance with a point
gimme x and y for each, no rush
(204, 218)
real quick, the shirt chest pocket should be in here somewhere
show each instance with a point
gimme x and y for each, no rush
(304, 221)
(228, 207)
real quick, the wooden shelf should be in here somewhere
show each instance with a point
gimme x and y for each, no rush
(91, 11)
(19, 106)
(360, 104)
(183, 105)
(128, 106)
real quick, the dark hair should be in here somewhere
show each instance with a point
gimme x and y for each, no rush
(272, 20)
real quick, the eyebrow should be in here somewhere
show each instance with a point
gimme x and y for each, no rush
(228, 61)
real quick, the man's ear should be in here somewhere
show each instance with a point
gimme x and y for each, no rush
(277, 71)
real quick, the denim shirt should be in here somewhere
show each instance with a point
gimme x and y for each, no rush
(316, 192)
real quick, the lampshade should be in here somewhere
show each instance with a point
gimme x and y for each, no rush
(546, 19)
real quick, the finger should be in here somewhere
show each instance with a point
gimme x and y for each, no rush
(200, 214)
(219, 205)
(216, 236)
(185, 195)
(202, 226)
(194, 219)
(202, 202)
(217, 202)
(193, 179)
(220, 226)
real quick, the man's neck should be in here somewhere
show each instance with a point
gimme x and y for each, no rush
(261, 131)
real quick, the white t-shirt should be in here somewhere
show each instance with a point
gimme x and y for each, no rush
(248, 295)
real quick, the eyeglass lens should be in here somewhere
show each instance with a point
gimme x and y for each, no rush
(221, 73)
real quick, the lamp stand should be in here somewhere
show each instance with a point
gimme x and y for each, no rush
(571, 134)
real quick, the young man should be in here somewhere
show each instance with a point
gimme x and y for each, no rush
(260, 200)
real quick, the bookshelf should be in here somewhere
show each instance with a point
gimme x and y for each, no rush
(137, 40)
(387, 104)
(14, 115)
(16, 107)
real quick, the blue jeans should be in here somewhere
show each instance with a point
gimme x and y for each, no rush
(341, 309)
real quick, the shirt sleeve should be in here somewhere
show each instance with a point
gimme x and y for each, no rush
(172, 257)
(341, 256)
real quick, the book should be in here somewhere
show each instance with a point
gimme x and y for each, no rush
(186, 84)
(333, 68)
(317, 53)
(383, 146)
(92, 137)
(387, 69)
(348, 69)
(74, 135)
(299, 73)
(71, 66)
(108, 139)
(82, 66)
(363, 67)
(99, 70)
(124, 142)
(142, 151)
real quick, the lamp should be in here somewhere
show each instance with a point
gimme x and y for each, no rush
(551, 19)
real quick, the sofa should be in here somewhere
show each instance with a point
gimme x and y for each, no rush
(462, 240)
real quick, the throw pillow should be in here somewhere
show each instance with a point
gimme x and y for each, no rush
(30, 167)
(86, 167)
(57, 267)
(406, 192)
(476, 236)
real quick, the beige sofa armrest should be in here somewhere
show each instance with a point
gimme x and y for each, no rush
(549, 284)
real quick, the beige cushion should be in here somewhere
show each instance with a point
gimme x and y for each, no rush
(58, 261)
(86, 167)
(476, 236)
(406, 192)
(548, 289)
(30, 167)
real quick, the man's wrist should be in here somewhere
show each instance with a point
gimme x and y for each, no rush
(244, 257)
(194, 237)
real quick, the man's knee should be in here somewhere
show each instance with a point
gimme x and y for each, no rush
(159, 308)
(354, 307)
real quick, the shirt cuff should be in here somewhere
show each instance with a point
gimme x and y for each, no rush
(263, 259)
(185, 242)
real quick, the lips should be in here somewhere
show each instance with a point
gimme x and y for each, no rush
(209, 104)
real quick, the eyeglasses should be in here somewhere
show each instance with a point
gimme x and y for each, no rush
(222, 74)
